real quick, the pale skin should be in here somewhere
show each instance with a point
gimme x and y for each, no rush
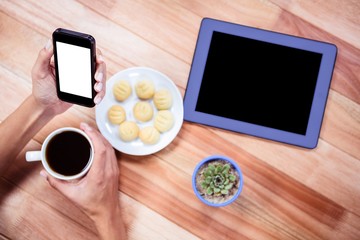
(99, 188)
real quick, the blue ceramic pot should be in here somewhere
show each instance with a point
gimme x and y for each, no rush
(209, 159)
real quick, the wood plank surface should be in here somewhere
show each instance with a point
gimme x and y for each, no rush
(289, 192)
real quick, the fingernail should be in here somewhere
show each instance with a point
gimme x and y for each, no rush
(48, 45)
(97, 99)
(99, 76)
(85, 126)
(43, 174)
(101, 58)
(98, 86)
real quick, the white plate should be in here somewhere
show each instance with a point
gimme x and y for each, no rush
(110, 131)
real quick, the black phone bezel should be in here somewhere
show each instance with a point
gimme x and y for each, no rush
(82, 40)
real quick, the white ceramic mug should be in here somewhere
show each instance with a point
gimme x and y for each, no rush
(32, 156)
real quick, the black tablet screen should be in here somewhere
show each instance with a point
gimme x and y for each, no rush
(258, 82)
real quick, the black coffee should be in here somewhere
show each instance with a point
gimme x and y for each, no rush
(68, 153)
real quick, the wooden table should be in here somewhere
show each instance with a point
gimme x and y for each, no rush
(289, 192)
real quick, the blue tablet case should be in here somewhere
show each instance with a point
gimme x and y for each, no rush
(258, 82)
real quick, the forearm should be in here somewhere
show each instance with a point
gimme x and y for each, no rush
(18, 129)
(111, 227)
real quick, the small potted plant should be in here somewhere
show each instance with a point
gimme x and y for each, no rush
(217, 181)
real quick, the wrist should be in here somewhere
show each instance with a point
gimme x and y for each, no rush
(20, 127)
(45, 111)
(110, 225)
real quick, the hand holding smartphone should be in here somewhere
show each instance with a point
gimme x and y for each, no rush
(75, 63)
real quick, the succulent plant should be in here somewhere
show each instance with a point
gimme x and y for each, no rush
(217, 179)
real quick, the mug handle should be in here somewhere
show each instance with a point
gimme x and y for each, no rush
(32, 156)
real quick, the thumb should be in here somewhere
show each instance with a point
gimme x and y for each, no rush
(42, 64)
(55, 183)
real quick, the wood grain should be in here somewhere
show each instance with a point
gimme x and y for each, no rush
(336, 17)
(289, 192)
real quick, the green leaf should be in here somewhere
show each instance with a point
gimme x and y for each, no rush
(209, 191)
(224, 191)
(204, 185)
(216, 190)
(232, 178)
(226, 182)
(208, 172)
(229, 186)
(208, 179)
(226, 167)
(211, 167)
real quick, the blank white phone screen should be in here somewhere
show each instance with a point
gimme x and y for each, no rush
(74, 69)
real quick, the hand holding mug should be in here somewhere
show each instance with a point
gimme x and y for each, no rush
(96, 193)
(99, 188)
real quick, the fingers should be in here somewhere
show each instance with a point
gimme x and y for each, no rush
(101, 93)
(100, 77)
(99, 56)
(42, 65)
(104, 156)
(99, 146)
(93, 134)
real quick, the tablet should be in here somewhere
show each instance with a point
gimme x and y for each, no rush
(258, 82)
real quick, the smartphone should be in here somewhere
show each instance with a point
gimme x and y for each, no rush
(75, 62)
